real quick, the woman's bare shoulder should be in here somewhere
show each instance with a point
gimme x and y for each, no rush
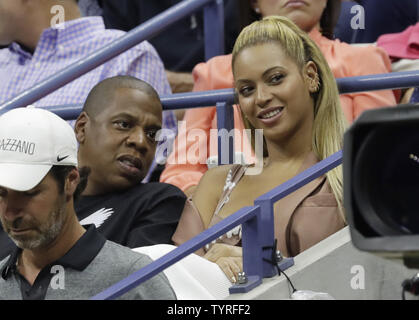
(212, 182)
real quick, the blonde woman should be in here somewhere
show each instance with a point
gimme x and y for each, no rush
(317, 18)
(286, 88)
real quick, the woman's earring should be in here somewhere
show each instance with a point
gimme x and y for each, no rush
(315, 83)
(257, 10)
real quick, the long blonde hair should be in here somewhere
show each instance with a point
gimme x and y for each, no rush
(329, 120)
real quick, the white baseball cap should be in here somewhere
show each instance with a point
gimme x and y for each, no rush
(31, 142)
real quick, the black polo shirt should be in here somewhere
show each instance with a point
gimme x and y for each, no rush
(78, 257)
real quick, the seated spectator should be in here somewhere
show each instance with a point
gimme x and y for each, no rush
(55, 258)
(316, 17)
(38, 48)
(117, 135)
(286, 88)
(181, 48)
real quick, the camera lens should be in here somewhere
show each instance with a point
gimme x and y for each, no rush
(386, 179)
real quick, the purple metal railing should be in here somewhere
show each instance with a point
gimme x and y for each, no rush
(143, 32)
(255, 220)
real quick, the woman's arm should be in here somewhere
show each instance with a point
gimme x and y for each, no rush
(198, 211)
(208, 192)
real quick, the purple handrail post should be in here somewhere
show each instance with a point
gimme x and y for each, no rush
(256, 235)
(266, 233)
(257, 243)
(225, 124)
(214, 29)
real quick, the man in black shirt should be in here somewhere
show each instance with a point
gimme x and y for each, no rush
(116, 132)
(55, 257)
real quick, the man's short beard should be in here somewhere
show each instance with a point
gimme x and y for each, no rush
(48, 233)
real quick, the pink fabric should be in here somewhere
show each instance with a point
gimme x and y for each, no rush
(344, 61)
(403, 45)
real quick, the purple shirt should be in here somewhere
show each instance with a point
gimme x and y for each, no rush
(58, 48)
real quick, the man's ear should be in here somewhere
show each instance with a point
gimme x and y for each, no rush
(80, 127)
(71, 183)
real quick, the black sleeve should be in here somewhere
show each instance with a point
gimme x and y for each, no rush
(121, 14)
(158, 222)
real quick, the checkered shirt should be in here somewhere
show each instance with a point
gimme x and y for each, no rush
(58, 48)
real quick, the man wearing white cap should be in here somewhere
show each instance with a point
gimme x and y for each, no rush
(55, 257)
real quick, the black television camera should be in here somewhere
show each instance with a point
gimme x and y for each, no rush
(381, 182)
(381, 185)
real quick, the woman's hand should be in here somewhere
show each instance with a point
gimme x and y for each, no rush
(229, 259)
